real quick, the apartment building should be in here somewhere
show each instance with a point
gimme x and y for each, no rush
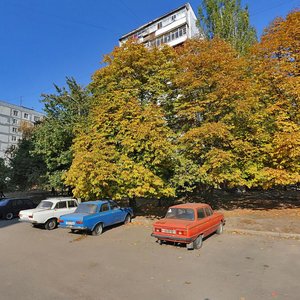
(11, 118)
(172, 29)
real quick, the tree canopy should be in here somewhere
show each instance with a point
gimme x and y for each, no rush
(226, 19)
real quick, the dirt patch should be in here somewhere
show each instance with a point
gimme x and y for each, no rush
(274, 210)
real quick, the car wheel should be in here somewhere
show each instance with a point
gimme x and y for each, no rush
(51, 224)
(9, 216)
(73, 230)
(196, 244)
(220, 228)
(98, 229)
(127, 219)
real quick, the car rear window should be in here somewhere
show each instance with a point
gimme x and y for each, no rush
(86, 208)
(3, 202)
(45, 204)
(180, 213)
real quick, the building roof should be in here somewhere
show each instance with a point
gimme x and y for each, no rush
(21, 107)
(187, 6)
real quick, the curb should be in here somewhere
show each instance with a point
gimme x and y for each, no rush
(294, 236)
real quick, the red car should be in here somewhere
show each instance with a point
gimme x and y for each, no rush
(188, 223)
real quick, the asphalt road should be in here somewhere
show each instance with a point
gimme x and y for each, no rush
(126, 263)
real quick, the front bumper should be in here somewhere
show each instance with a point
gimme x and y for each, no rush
(173, 238)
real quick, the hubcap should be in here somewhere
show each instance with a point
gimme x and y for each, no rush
(9, 216)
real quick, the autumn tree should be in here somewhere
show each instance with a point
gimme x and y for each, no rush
(276, 82)
(126, 149)
(210, 113)
(228, 20)
(65, 110)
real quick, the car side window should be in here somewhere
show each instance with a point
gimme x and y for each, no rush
(20, 203)
(113, 205)
(62, 204)
(104, 207)
(201, 214)
(72, 204)
(14, 203)
(208, 211)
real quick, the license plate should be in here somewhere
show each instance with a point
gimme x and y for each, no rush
(168, 231)
(70, 223)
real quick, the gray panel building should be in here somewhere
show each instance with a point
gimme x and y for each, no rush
(11, 118)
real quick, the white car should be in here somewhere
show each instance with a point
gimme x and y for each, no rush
(48, 212)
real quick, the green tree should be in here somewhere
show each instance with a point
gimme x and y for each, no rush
(4, 175)
(126, 149)
(65, 111)
(229, 21)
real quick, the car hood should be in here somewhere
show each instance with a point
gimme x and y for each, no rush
(173, 223)
(74, 216)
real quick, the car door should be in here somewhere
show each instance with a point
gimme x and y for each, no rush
(106, 216)
(210, 223)
(203, 222)
(60, 208)
(117, 213)
(71, 206)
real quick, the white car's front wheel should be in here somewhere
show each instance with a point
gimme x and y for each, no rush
(51, 224)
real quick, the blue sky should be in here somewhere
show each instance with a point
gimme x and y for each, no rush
(43, 41)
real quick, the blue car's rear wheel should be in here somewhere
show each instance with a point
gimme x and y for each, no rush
(98, 229)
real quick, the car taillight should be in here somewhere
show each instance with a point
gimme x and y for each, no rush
(157, 230)
(79, 222)
(181, 232)
(60, 221)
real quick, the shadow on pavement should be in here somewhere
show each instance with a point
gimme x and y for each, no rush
(6, 223)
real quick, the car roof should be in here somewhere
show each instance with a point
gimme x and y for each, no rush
(55, 200)
(9, 199)
(191, 205)
(97, 202)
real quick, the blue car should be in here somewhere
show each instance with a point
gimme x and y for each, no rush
(93, 216)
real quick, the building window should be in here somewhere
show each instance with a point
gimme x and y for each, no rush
(159, 25)
(15, 112)
(26, 115)
(13, 138)
(173, 18)
(15, 121)
(14, 129)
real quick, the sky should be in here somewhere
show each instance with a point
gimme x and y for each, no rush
(44, 41)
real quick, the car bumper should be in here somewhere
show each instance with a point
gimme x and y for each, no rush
(28, 221)
(73, 227)
(173, 238)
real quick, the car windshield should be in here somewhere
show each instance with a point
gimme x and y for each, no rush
(3, 202)
(180, 213)
(86, 208)
(45, 204)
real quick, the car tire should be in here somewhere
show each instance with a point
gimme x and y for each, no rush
(98, 229)
(196, 244)
(220, 228)
(51, 224)
(127, 219)
(9, 216)
(73, 230)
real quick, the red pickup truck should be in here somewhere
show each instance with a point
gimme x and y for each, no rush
(188, 223)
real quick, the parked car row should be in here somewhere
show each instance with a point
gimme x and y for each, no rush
(187, 223)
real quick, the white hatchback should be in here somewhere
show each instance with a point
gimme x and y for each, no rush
(48, 212)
